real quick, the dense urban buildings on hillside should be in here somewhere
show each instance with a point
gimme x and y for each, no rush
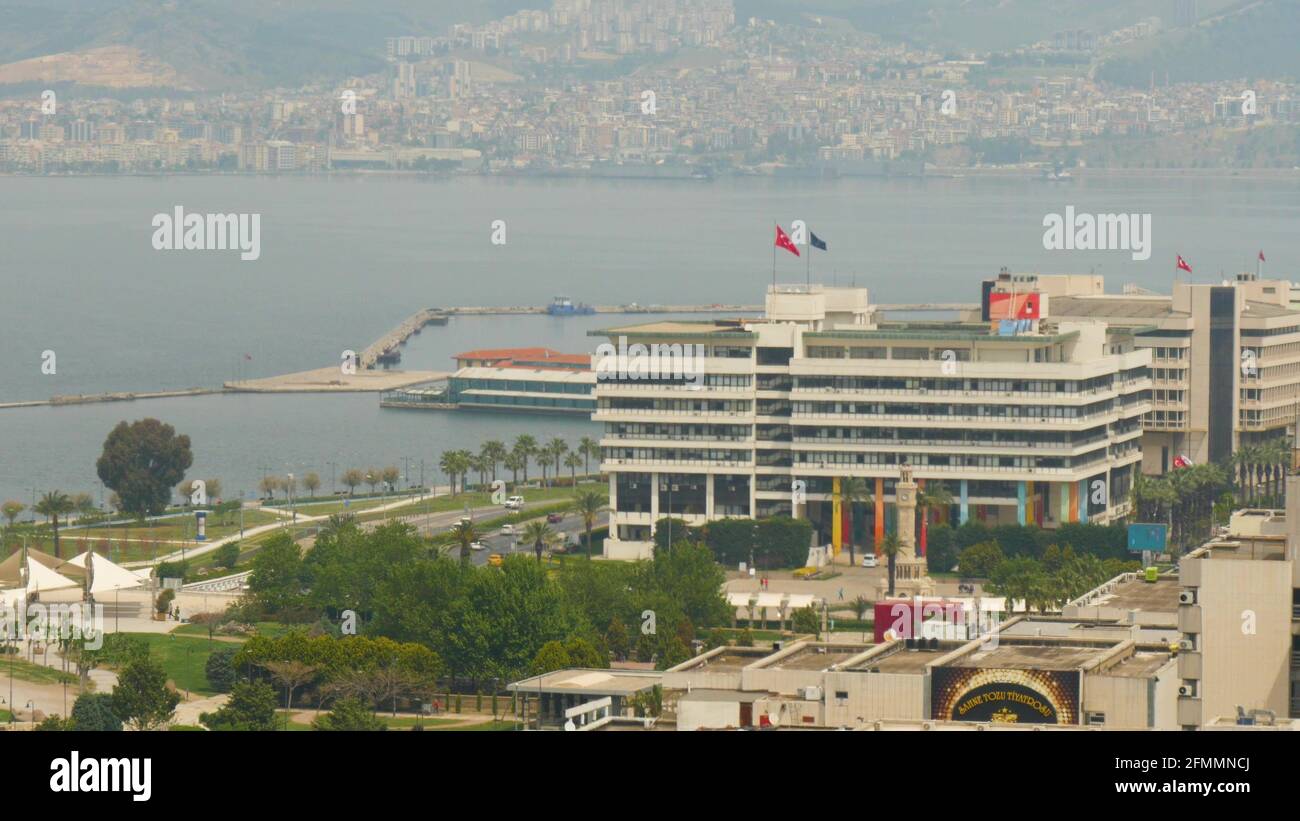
(581, 85)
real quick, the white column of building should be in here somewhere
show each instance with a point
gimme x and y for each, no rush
(708, 495)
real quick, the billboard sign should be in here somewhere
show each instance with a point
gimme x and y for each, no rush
(1147, 537)
(1014, 306)
(1005, 696)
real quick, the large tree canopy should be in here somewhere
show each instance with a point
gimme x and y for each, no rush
(142, 462)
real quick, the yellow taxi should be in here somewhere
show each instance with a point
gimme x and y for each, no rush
(495, 560)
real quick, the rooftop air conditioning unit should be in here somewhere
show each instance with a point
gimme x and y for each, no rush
(1187, 690)
(1185, 644)
(1187, 597)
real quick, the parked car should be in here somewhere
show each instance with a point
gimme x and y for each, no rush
(477, 546)
(869, 560)
(515, 503)
(554, 518)
(507, 530)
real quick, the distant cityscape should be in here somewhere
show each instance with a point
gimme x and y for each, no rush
(672, 87)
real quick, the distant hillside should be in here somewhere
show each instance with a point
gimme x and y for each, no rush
(972, 25)
(233, 44)
(1260, 40)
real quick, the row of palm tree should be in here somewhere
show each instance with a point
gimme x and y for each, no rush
(493, 454)
(1262, 464)
(1184, 498)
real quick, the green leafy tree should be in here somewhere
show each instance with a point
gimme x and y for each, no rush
(807, 620)
(227, 556)
(141, 697)
(276, 580)
(251, 707)
(10, 510)
(93, 712)
(616, 638)
(349, 715)
(978, 561)
(220, 669)
(551, 657)
(141, 462)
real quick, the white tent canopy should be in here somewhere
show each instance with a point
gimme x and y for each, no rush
(40, 577)
(107, 576)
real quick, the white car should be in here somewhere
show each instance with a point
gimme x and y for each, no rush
(515, 503)
(869, 560)
(507, 530)
(477, 546)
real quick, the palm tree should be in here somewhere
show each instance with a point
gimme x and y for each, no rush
(515, 461)
(935, 496)
(492, 452)
(539, 533)
(860, 607)
(588, 447)
(449, 464)
(526, 446)
(891, 547)
(855, 491)
(53, 505)
(479, 465)
(1244, 460)
(571, 462)
(557, 447)
(588, 504)
(465, 534)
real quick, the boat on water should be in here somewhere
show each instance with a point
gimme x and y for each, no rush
(563, 306)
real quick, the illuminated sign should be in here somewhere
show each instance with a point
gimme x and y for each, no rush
(1005, 696)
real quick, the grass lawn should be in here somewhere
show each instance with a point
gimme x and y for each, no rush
(36, 673)
(183, 659)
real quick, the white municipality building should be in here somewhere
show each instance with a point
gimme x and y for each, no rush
(1040, 422)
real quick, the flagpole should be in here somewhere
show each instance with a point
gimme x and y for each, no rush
(808, 263)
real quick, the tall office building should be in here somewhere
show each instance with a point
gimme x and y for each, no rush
(1225, 359)
(1038, 420)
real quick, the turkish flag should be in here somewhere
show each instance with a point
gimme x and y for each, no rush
(1182, 264)
(783, 241)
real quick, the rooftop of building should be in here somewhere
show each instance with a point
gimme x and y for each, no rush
(902, 660)
(729, 660)
(558, 375)
(1111, 306)
(1031, 655)
(1131, 593)
(589, 682)
(1140, 665)
(816, 657)
(678, 328)
(1111, 629)
(525, 357)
